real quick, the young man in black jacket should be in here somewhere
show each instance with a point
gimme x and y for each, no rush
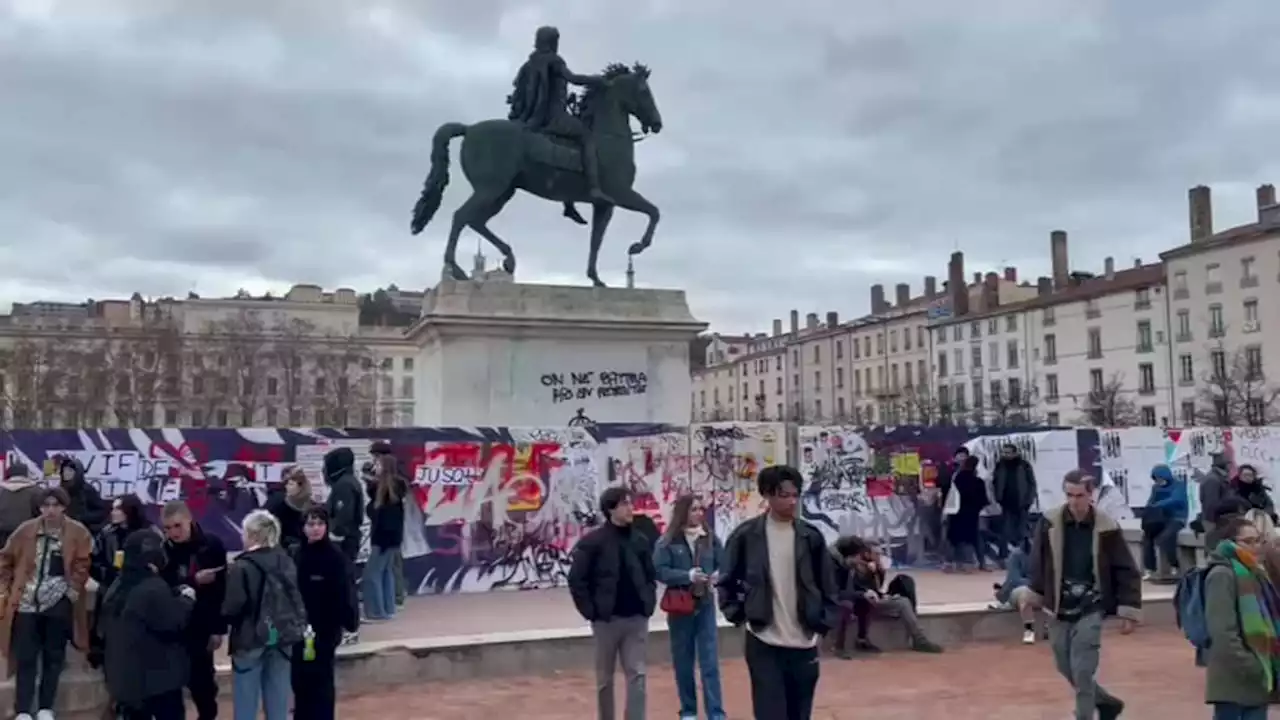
(779, 580)
(612, 581)
(346, 501)
(199, 561)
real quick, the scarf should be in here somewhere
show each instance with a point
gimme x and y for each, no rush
(1258, 606)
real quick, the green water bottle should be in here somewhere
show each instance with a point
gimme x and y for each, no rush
(309, 644)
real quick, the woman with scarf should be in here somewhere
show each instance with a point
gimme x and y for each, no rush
(290, 507)
(688, 558)
(143, 619)
(329, 596)
(1242, 611)
(1248, 486)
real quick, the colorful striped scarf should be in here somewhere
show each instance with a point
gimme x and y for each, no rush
(1259, 608)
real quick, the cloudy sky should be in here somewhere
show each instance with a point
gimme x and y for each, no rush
(810, 149)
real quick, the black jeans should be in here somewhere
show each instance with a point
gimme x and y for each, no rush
(314, 694)
(1162, 535)
(167, 706)
(783, 680)
(40, 649)
(202, 683)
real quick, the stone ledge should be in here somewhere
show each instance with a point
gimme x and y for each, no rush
(367, 667)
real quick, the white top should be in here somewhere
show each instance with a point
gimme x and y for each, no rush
(785, 630)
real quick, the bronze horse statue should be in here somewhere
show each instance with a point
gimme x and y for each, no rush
(502, 156)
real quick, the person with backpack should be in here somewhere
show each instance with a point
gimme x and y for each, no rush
(1081, 572)
(267, 618)
(1242, 621)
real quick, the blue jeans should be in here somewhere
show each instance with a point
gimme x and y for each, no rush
(1232, 711)
(378, 584)
(694, 636)
(261, 676)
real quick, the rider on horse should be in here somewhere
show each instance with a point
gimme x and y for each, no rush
(540, 100)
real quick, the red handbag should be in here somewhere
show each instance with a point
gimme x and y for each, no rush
(677, 602)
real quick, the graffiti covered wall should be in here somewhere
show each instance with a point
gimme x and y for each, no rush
(498, 507)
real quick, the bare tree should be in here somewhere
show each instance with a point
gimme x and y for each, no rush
(1234, 390)
(206, 380)
(1110, 405)
(86, 393)
(34, 373)
(294, 346)
(249, 360)
(341, 366)
(1012, 409)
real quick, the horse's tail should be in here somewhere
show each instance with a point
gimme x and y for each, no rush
(437, 178)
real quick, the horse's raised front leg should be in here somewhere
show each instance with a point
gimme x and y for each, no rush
(601, 214)
(632, 200)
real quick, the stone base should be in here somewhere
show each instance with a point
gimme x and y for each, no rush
(519, 355)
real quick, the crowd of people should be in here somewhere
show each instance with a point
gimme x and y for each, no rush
(150, 605)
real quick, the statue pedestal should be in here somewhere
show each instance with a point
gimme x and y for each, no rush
(503, 353)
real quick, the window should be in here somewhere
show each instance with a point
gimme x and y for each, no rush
(880, 378)
(384, 385)
(778, 366)
(1188, 413)
(857, 349)
(840, 407)
(1013, 354)
(1144, 336)
(817, 380)
(1248, 278)
(795, 381)
(993, 355)
(1091, 309)
(321, 385)
(1052, 418)
(702, 398)
(960, 403)
(906, 339)
(942, 363)
(817, 408)
(1047, 318)
(1180, 285)
(406, 387)
(321, 420)
(222, 419)
(866, 346)
(1146, 378)
(817, 353)
(1050, 349)
(957, 332)
(1218, 361)
(386, 364)
(893, 341)
(1095, 380)
(839, 379)
(1212, 279)
(920, 373)
(1095, 343)
(959, 358)
(795, 357)
(1148, 416)
(1255, 411)
(993, 326)
(1011, 323)
(906, 372)
(1015, 391)
(1216, 326)
(977, 394)
(1051, 387)
(975, 352)
(273, 416)
(1142, 299)
(171, 417)
(1250, 315)
(920, 336)
(273, 387)
(893, 377)
(1186, 370)
(839, 350)
(730, 394)
(1253, 362)
(779, 417)
(879, 343)
(197, 419)
(997, 391)
(408, 364)
(975, 329)
(1184, 326)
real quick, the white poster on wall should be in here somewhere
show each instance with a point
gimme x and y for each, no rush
(1052, 455)
(1127, 456)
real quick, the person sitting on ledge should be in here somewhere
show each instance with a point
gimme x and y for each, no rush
(863, 592)
(1013, 593)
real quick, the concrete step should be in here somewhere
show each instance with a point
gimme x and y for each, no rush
(367, 667)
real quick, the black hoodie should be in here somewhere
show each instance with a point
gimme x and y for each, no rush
(86, 505)
(346, 500)
(327, 590)
(199, 552)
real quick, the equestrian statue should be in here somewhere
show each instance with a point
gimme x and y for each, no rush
(564, 147)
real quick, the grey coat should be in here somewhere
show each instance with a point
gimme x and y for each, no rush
(244, 594)
(1233, 674)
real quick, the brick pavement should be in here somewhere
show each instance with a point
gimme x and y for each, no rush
(1152, 670)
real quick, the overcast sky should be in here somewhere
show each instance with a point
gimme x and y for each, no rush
(810, 148)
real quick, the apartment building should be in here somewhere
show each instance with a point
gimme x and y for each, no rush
(1224, 305)
(1084, 345)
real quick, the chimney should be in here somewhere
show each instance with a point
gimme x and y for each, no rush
(1109, 268)
(977, 278)
(1137, 262)
(777, 327)
(903, 294)
(833, 319)
(1058, 254)
(1044, 286)
(1267, 210)
(795, 323)
(930, 286)
(1200, 202)
(811, 321)
(1011, 275)
(956, 287)
(990, 291)
(877, 299)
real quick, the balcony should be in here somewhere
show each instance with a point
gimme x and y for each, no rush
(1145, 347)
(975, 372)
(1249, 281)
(1051, 360)
(1217, 331)
(1183, 337)
(1212, 288)
(1142, 304)
(1181, 294)
(1147, 390)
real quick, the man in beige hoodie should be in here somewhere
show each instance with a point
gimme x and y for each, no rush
(20, 498)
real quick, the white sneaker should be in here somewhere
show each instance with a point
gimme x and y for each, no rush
(1147, 575)
(45, 715)
(999, 606)
(22, 716)
(1028, 637)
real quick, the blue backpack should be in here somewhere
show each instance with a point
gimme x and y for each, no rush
(1188, 603)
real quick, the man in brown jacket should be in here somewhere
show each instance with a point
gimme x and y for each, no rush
(43, 570)
(1082, 571)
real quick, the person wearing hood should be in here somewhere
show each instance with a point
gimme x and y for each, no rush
(20, 497)
(290, 506)
(1215, 489)
(324, 579)
(267, 618)
(346, 501)
(86, 505)
(108, 556)
(143, 619)
(1013, 482)
(1162, 520)
(1242, 614)
(963, 504)
(1249, 486)
(197, 559)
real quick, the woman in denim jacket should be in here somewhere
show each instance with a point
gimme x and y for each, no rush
(687, 536)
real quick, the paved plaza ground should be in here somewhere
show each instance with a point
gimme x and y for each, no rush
(1152, 670)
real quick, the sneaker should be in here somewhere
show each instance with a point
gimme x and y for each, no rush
(1147, 575)
(22, 716)
(865, 646)
(1028, 637)
(45, 715)
(1110, 712)
(366, 620)
(924, 645)
(350, 638)
(999, 606)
